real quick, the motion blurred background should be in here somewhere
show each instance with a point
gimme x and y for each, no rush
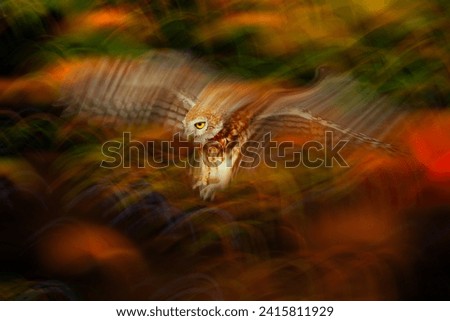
(72, 230)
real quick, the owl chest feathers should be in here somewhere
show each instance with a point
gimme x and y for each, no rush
(230, 109)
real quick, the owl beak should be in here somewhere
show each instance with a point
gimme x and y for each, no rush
(189, 135)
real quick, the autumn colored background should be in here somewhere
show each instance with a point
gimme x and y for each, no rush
(72, 230)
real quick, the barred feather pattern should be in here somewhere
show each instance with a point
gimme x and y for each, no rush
(136, 91)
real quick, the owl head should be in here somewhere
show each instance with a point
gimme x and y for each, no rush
(201, 127)
(213, 108)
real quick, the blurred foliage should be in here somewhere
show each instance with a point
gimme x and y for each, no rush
(76, 230)
(400, 48)
(294, 234)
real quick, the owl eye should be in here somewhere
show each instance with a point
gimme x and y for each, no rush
(200, 124)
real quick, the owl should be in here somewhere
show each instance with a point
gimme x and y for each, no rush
(221, 114)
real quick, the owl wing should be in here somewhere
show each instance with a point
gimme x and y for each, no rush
(158, 88)
(338, 104)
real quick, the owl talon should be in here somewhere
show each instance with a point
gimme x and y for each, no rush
(207, 193)
(197, 184)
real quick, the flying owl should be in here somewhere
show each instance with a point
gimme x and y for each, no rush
(222, 113)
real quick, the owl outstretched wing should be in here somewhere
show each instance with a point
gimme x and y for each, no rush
(157, 88)
(338, 104)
